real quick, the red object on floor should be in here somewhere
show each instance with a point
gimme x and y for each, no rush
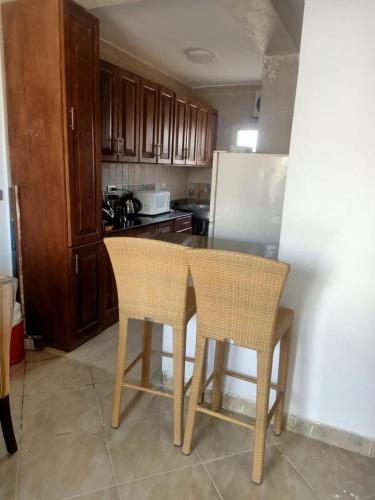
(17, 344)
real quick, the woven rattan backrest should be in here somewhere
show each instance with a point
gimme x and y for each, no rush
(237, 296)
(151, 278)
(8, 287)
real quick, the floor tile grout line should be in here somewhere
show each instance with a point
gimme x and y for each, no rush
(210, 476)
(233, 454)
(300, 474)
(55, 390)
(79, 495)
(157, 474)
(106, 439)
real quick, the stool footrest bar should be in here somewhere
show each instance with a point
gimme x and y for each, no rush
(226, 418)
(149, 390)
(274, 407)
(133, 363)
(170, 355)
(207, 382)
(247, 378)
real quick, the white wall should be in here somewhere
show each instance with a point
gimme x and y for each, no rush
(277, 107)
(5, 246)
(328, 231)
(235, 107)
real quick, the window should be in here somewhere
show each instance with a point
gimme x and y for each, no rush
(247, 138)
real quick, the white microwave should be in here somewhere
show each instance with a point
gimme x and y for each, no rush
(153, 202)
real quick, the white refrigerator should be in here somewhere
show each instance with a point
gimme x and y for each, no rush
(247, 195)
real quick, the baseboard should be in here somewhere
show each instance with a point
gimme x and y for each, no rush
(331, 435)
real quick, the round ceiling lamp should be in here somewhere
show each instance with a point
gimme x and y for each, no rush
(200, 56)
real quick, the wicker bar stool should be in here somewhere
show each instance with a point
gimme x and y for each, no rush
(8, 288)
(152, 285)
(238, 299)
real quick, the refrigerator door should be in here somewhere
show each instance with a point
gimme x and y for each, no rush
(247, 197)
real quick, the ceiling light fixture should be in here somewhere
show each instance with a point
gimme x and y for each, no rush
(200, 56)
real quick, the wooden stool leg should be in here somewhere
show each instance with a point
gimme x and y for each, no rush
(179, 344)
(121, 358)
(204, 378)
(146, 356)
(195, 389)
(218, 376)
(279, 422)
(7, 426)
(264, 368)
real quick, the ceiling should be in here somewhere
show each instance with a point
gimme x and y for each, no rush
(158, 32)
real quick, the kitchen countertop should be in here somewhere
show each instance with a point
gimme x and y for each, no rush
(145, 220)
(192, 241)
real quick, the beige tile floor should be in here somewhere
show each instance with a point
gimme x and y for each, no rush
(62, 408)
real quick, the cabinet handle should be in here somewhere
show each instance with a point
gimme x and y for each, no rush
(161, 150)
(155, 148)
(76, 263)
(115, 145)
(122, 146)
(71, 115)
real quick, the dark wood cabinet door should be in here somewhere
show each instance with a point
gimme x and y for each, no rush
(149, 122)
(191, 132)
(183, 224)
(144, 232)
(165, 135)
(86, 288)
(109, 289)
(202, 150)
(128, 116)
(211, 135)
(83, 109)
(180, 122)
(109, 110)
(165, 227)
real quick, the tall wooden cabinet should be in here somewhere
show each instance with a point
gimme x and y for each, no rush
(52, 77)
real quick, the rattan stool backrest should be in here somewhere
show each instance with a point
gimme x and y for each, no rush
(151, 278)
(237, 296)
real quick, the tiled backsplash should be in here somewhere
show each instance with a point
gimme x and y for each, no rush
(140, 176)
(199, 191)
(176, 179)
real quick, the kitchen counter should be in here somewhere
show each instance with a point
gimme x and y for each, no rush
(144, 220)
(261, 250)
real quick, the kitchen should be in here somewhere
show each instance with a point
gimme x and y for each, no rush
(140, 120)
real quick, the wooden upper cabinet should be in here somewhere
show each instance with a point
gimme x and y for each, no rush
(191, 132)
(144, 122)
(180, 122)
(128, 117)
(149, 122)
(202, 149)
(83, 107)
(109, 110)
(211, 135)
(165, 125)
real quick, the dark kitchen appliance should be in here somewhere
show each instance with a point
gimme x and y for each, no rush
(201, 214)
